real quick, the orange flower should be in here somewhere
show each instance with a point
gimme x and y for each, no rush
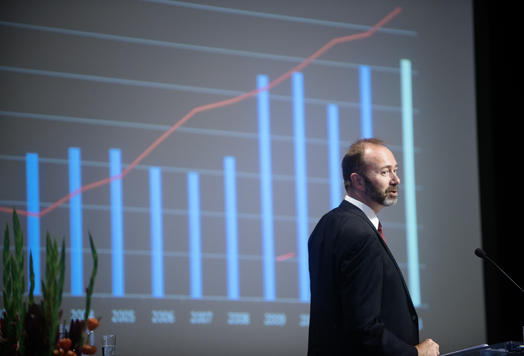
(92, 324)
(64, 344)
(88, 350)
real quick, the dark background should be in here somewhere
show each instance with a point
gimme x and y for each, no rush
(498, 35)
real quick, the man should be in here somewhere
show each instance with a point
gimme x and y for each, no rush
(360, 304)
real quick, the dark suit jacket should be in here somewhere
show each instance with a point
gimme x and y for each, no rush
(360, 304)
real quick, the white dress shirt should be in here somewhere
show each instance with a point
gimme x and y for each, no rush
(366, 209)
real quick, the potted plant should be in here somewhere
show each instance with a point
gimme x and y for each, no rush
(29, 328)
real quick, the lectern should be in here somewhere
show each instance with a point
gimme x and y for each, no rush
(503, 348)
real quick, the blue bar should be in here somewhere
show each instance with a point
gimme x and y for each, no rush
(366, 117)
(409, 180)
(117, 224)
(299, 134)
(233, 280)
(195, 250)
(33, 222)
(75, 213)
(157, 248)
(266, 189)
(335, 174)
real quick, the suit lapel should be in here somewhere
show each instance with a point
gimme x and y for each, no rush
(355, 210)
(347, 206)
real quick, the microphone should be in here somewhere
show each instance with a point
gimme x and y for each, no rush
(480, 253)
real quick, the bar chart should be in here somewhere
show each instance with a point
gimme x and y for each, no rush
(230, 212)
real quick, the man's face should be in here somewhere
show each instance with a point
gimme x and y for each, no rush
(381, 176)
(386, 197)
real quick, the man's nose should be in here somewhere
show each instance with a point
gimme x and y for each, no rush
(395, 179)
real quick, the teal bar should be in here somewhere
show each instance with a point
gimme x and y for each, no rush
(409, 180)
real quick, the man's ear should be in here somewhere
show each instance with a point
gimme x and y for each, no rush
(357, 181)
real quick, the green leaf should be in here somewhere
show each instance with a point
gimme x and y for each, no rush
(7, 302)
(8, 287)
(19, 241)
(31, 279)
(8, 279)
(48, 258)
(20, 330)
(44, 289)
(61, 277)
(6, 253)
(93, 275)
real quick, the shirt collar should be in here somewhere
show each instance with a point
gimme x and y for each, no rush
(366, 209)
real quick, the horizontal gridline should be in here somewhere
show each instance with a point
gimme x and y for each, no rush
(198, 48)
(86, 251)
(163, 128)
(205, 298)
(101, 251)
(182, 212)
(181, 170)
(187, 88)
(283, 17)
(188, 297)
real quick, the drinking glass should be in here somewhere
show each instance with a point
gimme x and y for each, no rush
(108, 345)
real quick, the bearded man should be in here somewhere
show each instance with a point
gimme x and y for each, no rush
(360, 304)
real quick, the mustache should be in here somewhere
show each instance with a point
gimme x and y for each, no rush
(392, 189)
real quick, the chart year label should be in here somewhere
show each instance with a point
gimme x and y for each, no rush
(275, 319)
(201, 317)
(79, 314)
(123, 316)
(238, 318)
(163, 316)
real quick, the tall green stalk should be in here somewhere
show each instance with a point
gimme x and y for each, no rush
(91, 282)
(9, 339)
(13, 276)
(52, 289)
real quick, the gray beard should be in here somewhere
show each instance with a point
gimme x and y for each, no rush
(379, 197)
(389, 201)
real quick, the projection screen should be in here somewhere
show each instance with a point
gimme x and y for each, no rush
(200, 142)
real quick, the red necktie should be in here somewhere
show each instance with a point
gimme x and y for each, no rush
(381, 232)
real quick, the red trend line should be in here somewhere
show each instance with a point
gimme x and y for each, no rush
(285, 257)
(208, 107)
